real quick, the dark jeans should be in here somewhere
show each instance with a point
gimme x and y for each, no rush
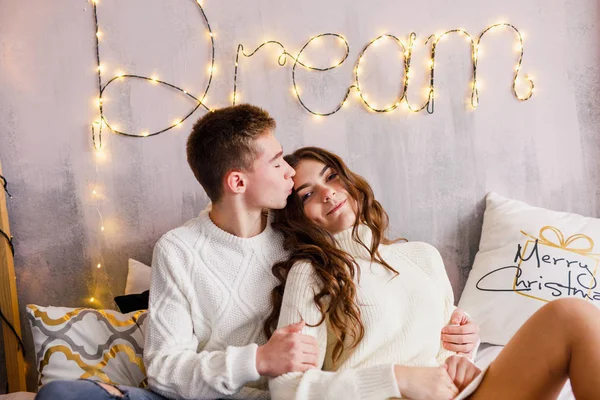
(90, 390)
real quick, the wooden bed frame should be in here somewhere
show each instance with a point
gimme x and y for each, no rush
(15, 364)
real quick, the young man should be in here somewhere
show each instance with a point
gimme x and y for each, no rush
(212, 280)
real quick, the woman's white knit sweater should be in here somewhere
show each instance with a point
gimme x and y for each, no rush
(209, 297)
(403, 317)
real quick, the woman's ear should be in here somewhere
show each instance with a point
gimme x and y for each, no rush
(236, 182)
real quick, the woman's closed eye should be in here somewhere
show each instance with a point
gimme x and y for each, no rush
(331, 176)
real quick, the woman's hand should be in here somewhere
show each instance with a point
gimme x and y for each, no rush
(461, 370)
(419, 383)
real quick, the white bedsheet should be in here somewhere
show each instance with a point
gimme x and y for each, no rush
(17, 396)
(487, 353)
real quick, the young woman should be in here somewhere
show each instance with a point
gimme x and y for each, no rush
(376, 307)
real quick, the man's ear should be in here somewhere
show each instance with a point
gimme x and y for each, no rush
(236, 182)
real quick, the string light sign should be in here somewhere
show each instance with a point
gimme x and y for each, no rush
(298, 61)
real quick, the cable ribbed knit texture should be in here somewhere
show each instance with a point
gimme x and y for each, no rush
(209, 296)
(403, 317)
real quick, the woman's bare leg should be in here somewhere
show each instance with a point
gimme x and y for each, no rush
(560, 341)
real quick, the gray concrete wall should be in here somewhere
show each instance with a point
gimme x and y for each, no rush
(431, 172)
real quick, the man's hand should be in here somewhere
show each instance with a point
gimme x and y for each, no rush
(461, 370)
(287, 351)
(461, 334)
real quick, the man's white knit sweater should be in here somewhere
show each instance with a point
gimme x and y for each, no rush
(403, 317)
(209, 296)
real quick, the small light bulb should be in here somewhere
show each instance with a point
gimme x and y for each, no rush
(92, 299)
(177, 122)
(154, 78)
(99, 265)
(102, 228)
(145, 133)
(98, 34)
(94, 192)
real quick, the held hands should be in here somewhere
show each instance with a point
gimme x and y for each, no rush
(461, 370)
(425, 383)
(287, 351)
(461, 335)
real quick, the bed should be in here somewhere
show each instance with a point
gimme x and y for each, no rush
(14, 358)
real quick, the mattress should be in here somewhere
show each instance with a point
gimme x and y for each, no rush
(17, 396)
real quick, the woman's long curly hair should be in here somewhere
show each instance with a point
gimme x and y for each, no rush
(335, 268)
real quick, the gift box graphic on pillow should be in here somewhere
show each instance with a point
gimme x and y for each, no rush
(549, 266)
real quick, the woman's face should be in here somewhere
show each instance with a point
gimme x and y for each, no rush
(325, 200)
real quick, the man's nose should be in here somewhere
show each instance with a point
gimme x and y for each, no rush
(291, 172)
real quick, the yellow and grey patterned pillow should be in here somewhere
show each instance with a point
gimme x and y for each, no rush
(73, 343)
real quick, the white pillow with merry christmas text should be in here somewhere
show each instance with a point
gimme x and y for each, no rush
(528, 256)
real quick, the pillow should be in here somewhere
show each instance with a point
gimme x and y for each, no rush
(138, 277)
(103, 345)
(133, 302)
(528, 256)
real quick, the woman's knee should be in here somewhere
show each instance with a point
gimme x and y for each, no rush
(570, 312)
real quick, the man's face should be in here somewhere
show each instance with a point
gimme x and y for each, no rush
(270, 182)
